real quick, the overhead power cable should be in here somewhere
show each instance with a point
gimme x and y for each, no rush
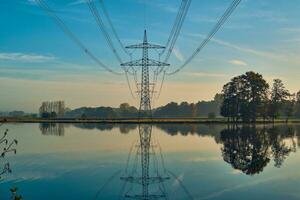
(112, 27)
(102, 28)
(183, 2)
(215, 29)
(67, 31)
(211, 34)
(178, 27)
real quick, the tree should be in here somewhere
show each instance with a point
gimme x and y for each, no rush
(211, 115)
(52, 109)
(255, 93)
(244, 97)
(127, 111)
(297, 106)
(231, 99)
(278, 96)
(289, 106)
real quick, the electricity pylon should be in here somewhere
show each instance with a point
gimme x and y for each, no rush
(145, 63)
(144, 178)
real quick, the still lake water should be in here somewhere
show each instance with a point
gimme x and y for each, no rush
(178, 162)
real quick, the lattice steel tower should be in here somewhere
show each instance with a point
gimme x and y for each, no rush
(145, 63)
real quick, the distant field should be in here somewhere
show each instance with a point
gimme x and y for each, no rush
(135, 120)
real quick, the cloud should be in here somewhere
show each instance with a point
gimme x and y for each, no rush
(290, 30)
(238, 62)
(31, 2)
(21, 57)
(178, 54)
(170, 8)
(206, 74)
(77, 2)
(252, 51)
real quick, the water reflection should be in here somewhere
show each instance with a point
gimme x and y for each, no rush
(247, 148)
(145, 180)
(124, 128)
(56, 129)
(76, 159)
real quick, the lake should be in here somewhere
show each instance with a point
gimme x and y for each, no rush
(164, 161)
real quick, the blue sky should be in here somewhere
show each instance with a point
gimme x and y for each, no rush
(38, 62)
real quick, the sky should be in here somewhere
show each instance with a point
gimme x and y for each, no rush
(38, 62)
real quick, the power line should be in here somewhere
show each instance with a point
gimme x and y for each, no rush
(211, 34)
(221, 21)
(112, 27)
(181, 19)
(67, 31)
(102, 27)
(174, 26)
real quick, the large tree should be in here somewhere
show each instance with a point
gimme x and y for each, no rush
(244, 97)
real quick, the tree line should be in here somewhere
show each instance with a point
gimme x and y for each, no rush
(170, 110)
(249, 97)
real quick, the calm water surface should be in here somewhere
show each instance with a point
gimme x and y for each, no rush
(178, 162)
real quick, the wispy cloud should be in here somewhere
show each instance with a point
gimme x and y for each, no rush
(238, 62)
(178, 54)
(22, 57)
(163, 6)
(248, 50)
(77, 2)
(290, 30)
(206, 74)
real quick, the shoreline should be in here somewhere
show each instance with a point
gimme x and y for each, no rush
(146, 120)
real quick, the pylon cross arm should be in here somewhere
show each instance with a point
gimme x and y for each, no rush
(145, 45)
(141, 63)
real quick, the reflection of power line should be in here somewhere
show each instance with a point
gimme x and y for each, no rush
(149, 181)
(144, 176)
(106, 183)
(181, 184)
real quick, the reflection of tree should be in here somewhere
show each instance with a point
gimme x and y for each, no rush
(250, 149)
(278, 143)
(124, 128)
(244, 149)
(14, 194)
(192, 129)
(56, 129)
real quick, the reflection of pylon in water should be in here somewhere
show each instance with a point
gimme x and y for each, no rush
(151, 184)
